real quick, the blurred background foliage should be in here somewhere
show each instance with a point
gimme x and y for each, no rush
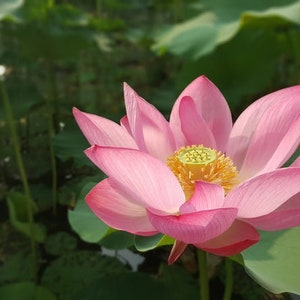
(60, 54)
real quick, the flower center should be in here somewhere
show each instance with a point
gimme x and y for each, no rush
(197, 155)
(193, 163)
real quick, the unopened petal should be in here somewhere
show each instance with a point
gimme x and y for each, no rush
(101, 131)
(117, 211)
(142, 177)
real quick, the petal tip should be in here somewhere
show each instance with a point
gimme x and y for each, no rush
(75, 111)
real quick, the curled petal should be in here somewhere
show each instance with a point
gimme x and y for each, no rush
(142, 178)
(236, 239)
(205, 197)
(177, 249)
(211, 105)
(266, 133)
(101, 131)
(263, 194)
(194, 228)
(125, 124)
(117, 211)
(150, 129)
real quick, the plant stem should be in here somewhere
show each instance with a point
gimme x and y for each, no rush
(203, 275)
(20, 164)
(51, 101)
(98, 7)
(228, 279)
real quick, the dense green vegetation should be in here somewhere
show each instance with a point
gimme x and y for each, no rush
(60, 54)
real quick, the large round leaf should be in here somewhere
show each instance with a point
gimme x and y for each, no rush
(274, 262)
(25, 291)
(9, 7)
(220, 21)
(146, 243)
(73, 272)
(84, 222)
(247, 60)
(125, 286)
(117, 240)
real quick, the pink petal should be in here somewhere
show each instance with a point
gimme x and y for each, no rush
(236, 239)
(211, 105)
(150, 129)
(101, 131)
(286, 148)
(125, 124)
(177, 249)
(245, 126)
(285, 216)
(194, 127)
(266, 133)
(263, 194)
(205, 197)
(117, 211)
(277, 220)
(144, 179)
(194, 228)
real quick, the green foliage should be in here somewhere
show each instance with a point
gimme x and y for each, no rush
(221, 22)
(127, 286)
(60, 243)
(70, 144)
(266, 261)
(117, 240)
(143, 243)
(180, 284)
(234, 38)
(244, 285)
(172, 283)
(60, 54)
(15, 256)
(69, 274)
(25, 291)
(196, 37)
(83, 220)
(8, 8)
(17, 204)
(242, 78)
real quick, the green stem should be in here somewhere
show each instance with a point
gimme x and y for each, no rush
(203, 275)
(51, 100)
(228, 279)
(20, 164)
(98, 7)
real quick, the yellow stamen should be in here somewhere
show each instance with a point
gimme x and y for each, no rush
(193, 163)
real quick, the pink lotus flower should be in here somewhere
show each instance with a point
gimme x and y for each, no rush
(197, 178)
